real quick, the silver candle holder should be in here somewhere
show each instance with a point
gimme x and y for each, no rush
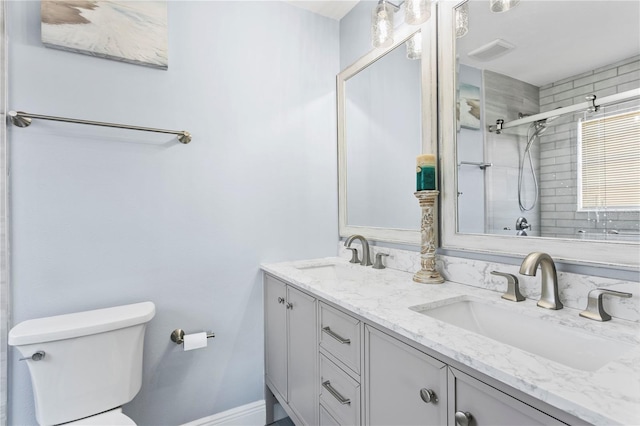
(428, 273)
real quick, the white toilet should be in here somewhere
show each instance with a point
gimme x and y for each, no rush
(92, 363)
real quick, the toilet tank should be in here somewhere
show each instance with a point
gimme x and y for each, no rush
(92, 362)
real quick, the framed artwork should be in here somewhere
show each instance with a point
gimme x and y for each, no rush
(469, 106)
(130, 31)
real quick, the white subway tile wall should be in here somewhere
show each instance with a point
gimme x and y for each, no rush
(558, 156)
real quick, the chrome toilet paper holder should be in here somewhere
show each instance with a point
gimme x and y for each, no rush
(177, 336)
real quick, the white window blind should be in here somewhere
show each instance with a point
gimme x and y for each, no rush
(609, 162)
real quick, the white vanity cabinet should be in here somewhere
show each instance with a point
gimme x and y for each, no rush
(402, 385)
(340, 360)
(291, 353)
(327, 365)
(474, 403)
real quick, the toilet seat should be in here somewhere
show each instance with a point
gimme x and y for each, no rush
(109, 418)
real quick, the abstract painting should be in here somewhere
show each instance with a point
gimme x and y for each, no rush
(469, 105)
(130, 31)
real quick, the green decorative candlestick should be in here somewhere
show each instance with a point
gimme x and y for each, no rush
(428, 273)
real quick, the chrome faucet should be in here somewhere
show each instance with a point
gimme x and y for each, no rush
(595, 309)
(549, 297)
(366, 257)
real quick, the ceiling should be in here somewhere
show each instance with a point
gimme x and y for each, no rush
(334, 9)
(553, 39)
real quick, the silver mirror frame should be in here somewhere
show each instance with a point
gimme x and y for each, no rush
(615, 254)
(429, 129)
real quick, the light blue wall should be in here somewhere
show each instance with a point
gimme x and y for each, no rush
(102, 217)
(355, 33)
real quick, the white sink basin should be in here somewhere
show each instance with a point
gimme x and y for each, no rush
(558, 343)
(332, 272)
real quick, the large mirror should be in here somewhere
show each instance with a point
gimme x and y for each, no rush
(530, 162)
(384, 122)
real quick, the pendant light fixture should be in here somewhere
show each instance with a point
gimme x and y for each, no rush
(498, 6)
(382, 24)
(416, 13)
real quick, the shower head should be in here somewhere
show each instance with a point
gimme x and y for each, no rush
(540, 126)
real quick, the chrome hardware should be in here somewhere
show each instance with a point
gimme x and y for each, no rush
(482, 166)
(593, 107)
(549, 297)
(378, 263)
(37, 356)
(289, 305)
(354, 255)
(366, 257)
(522, 224)
(341, 399)
(595, 309)
(23, 119)
(428, 395)
(177, 336)
(280, 299)
(339, 338)
(463, 418)
(498, 127)
(513, 288)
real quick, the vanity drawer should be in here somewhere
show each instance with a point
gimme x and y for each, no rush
(339, 393)
(340, 336)
(326, 419)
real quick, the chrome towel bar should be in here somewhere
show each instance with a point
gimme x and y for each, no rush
(23, 119)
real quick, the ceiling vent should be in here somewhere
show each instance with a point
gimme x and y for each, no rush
(492, 50)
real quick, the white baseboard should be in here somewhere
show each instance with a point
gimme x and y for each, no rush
(253, 414)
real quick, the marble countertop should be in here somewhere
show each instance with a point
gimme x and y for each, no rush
(609, 395)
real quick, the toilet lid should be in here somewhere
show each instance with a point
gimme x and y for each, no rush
(110, 418)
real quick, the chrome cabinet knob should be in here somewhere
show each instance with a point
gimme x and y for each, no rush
(428, 395)
(289, 305)
(463, 418)
(280, 299)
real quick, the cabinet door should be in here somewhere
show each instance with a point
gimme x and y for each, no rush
(478, 404)
(403, 386)
(303, 353)
(275, 334)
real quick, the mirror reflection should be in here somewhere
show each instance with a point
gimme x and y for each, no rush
(568, 171)
(383, 136)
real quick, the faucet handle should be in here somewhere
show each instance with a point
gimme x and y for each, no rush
(378, 263)
(513, 288)
(595, 309)
(354, 255)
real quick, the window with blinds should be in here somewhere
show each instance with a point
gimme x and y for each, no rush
(609, 163)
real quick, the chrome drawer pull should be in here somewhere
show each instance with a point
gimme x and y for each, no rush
(341, 399)
(336, 336)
